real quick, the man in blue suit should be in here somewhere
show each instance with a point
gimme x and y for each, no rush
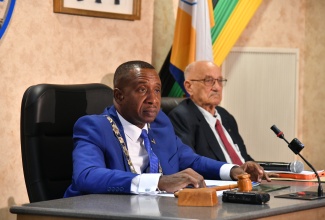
(109, 155)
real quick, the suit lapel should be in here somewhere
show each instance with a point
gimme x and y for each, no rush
(209, 135)
(112, 113)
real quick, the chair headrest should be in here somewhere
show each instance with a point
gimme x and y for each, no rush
(168, 103)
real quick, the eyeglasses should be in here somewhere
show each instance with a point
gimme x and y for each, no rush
(211, 81)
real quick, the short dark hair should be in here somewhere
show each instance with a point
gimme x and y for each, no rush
(125, 68)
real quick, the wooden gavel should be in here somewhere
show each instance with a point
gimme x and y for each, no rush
(207, 196)
(215, 188)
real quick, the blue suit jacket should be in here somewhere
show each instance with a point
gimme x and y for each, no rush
(99, 165)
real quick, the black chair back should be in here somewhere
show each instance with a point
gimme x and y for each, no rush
(168, 103)
(48, 113)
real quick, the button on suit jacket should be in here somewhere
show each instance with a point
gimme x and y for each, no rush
(191, 126)
(100, 166)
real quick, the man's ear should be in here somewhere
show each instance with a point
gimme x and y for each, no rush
(188, 87)
(118, 95)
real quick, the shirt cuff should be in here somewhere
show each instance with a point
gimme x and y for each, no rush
(145, 183)
(225, 171)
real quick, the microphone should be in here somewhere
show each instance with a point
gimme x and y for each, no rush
(278, 133)
(295, 166)
(296, 146)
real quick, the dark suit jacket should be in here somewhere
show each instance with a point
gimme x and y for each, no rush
(191, 126)
(100, 166)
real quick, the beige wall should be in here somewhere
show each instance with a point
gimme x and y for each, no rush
(43, 47)
(163, 30)
(280, 24)
(298, 24)
(313, 126)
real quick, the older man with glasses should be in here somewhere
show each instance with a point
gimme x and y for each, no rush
(208, 128)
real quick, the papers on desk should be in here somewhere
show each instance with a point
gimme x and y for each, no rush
(303, 176)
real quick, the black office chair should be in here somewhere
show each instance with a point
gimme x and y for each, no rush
(168, 103)
(48, 113)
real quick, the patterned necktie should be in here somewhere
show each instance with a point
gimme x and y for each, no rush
(153, 159)
(233, 155)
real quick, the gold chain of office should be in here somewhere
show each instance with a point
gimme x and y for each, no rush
(123, 145)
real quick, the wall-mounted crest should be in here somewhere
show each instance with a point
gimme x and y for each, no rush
(6, 9)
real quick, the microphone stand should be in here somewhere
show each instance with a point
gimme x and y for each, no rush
(296, 146)
(320, 188)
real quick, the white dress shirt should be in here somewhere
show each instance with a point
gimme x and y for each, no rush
(148, 182)
(212, 120)
(145, 182)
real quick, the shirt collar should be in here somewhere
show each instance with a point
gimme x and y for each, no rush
(208, 116)
(130, 130)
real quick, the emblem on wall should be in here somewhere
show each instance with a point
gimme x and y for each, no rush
(6, 9)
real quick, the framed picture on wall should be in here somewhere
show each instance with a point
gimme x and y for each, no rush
(115, 9)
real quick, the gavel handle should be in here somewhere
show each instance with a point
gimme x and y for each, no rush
(225, 187)
(217, 188)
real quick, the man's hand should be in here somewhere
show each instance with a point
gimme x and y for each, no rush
(256, 172)
(272, 174)
(180, 180)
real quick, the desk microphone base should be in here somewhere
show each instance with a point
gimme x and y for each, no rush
(304, 195)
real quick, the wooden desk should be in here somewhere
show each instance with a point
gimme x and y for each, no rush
(156, 207)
